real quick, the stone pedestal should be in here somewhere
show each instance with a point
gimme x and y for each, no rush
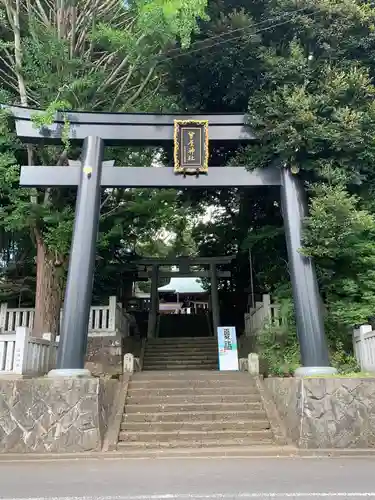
(58, 415)
(104, 355)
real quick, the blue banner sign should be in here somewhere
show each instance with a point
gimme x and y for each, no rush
(228, 354)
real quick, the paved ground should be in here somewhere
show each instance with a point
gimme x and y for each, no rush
(200, 479)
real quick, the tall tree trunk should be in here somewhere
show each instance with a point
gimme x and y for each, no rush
(49, 292)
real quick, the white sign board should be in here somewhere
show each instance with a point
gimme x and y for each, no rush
(228, 354)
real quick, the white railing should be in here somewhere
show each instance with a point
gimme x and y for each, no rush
(121, 322)
(198, 306)
(7, 349)
(364, 347)
(103, 321)
(22, 354)
(11, 317)
(263, 313)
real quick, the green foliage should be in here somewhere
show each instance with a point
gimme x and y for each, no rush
(343, 361)
(278, 345)
(341, 237)
(178, 17)
(323, 114)
(279, 348)
(96, 59)
(307, 83)
(48, 115)
(314, 110)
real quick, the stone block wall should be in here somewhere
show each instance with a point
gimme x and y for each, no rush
(326, 412)
(108, 393)
(245, 346)
(104, 354)
(54, 415)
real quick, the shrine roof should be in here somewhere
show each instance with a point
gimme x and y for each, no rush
(183, 285)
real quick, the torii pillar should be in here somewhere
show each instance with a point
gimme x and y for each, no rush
(78, 294)
(215, 305)
(307, 301)
(154, 305)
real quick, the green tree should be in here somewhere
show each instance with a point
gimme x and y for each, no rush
(87, 56)
(341, 237)
(304, 74)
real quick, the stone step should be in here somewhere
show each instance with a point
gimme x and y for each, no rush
(163, 407)
(182, 340)
(223, 450)
(177, 362)
(183, 352)
(195, 436)
(239, 443)
(168, 392)
(166, 356)
(191, 375)
(174, 357)
(196, 416)
(193, 398)
(208, 425)
(163, 367)
(214, 383)
(180, 347)
(192, 341)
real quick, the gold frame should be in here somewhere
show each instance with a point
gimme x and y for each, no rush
(177, 167)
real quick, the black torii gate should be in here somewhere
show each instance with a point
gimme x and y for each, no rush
(96, 130)
(184, 264)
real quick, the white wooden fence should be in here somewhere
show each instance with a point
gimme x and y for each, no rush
(263, 313)
(364, 347)
(104, 320)
(21, 354)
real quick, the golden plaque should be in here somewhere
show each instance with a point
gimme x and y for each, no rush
(191, 146)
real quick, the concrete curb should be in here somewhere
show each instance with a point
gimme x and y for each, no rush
(199, 453)
(111, 439)
(279, 432)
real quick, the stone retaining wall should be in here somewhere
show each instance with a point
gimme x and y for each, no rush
(54, 415)
(104, 354)
(326, 412)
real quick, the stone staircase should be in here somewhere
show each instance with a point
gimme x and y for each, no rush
(182, 410)
(182, 353)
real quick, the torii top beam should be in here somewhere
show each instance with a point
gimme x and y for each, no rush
(129, 128)
(190, 261)
(137, 129)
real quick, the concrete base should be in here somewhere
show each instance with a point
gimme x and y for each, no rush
(325, 412)
(69, 373)
(55, 415)
(311, 371)
(260, 452)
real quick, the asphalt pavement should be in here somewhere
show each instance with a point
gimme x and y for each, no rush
(189, 479)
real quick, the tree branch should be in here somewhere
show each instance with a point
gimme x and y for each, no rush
(135, 96)
(123, 85)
